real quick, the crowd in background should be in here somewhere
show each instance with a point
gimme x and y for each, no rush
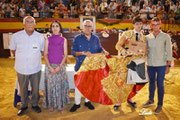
(107, 9)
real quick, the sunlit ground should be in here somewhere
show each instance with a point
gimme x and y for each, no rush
(171, 108)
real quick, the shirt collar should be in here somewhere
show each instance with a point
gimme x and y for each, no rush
(157, 35)
(137, 32)
(27, 34)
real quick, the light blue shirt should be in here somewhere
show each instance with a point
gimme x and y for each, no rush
(28, 51)
(159, 49)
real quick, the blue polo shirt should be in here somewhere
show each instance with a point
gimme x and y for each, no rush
(81, 43)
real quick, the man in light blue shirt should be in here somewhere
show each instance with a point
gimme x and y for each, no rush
(158, 62)
(27, 46)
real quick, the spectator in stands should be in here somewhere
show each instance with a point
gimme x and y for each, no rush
(88, 10)
(103, 5)
(159, 5)
(41, 4)
(119, 11)
(72, 5)
(143, 13)
(141, 4)
(152, 12)
(2, 4)
(177, 13)
(160, 13)
(105, 13)
(112, 8)
(61, 9)
(167, 7)
(146, 28)
(7, 11)
(52, 7)
(66, 12)
(56, 92)
(135, 8)
(56, 13)
(34, 3)
(81, 11)
(172, 18)
(44, 11)
(75, 11)
(96, 11)
(1, 12)
(26, 5)
(172, 6)
(28, 68)
(134, 2)
(82, 3)
(13, 13)
(35, 12)
(22, 11)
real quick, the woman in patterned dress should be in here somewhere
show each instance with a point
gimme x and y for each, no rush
(56, 92)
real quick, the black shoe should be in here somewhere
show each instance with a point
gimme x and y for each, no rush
(133, 104)
(74, 108)
(36, 109)
(116, 107)
(89, 105)
(22, 111)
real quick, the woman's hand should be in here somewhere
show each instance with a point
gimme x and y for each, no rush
(52, 70)
(58, 68)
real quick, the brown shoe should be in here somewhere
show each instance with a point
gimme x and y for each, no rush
(158, 109)
(148, 104)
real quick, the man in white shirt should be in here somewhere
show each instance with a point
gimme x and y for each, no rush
(27, 46)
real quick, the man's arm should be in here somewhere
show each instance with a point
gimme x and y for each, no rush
(12, 45)
(169, 53)
(13, 52)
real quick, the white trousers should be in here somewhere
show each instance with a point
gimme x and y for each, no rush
(78, 97)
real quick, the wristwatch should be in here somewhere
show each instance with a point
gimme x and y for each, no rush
(168, 65)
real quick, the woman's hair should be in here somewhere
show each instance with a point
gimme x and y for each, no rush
(55, 21)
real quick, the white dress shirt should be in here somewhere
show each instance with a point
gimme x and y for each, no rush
(28, 51)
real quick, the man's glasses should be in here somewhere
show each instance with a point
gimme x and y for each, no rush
(155, 24)
(29, 22)
(88, 26)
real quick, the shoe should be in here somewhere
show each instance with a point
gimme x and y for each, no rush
(36, 109)
(74, 108)
(89, 105)
(116, 107)
(133, 104)
(148, 103)
(22, 111)
(158, 110)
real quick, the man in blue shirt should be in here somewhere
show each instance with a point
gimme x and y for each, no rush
(84, 45)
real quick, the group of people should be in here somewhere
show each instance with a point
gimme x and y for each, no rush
(29, 45)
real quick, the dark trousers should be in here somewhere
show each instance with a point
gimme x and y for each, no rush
(23, 84)
(156, 73)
